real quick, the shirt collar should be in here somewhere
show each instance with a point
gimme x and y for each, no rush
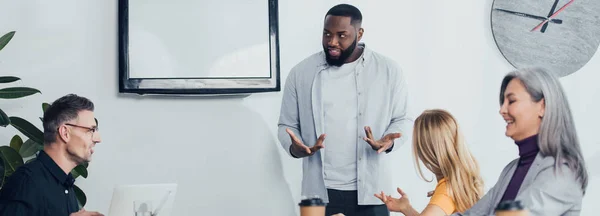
(528, 147)
(65, 179)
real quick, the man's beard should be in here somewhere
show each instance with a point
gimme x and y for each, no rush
(344, 55)
(75, 158)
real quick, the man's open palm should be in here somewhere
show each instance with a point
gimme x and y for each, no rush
(301, 150)
(384, 143)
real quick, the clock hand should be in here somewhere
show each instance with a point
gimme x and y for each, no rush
(550, 14)
(557, 21)
(553, 15)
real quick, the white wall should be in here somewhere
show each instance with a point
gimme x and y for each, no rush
(223, 152)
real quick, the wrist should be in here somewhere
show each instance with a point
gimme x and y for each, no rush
(390, 148)
(406, 209)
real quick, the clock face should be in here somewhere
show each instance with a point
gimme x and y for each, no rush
(558, 35)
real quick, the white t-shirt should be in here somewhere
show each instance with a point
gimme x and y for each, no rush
(340, 111)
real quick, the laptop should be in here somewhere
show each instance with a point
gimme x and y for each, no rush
(143, 200)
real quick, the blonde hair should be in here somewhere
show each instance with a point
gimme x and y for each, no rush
(438, 143)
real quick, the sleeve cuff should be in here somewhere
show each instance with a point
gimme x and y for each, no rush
(292, 153)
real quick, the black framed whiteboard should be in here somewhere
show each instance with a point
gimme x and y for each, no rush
(192, 47)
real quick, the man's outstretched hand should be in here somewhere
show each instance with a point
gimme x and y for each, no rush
(300, 150)
(83, 212)
(384, 143)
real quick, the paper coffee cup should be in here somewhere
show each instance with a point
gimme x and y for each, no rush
(312, 207)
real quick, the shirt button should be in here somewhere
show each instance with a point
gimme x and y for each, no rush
(66, 191)
(359, 93)
(359, 113)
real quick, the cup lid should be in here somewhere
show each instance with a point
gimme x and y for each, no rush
(510, 205)
(312, 202)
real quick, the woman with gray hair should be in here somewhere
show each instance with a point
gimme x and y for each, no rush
(549, 177)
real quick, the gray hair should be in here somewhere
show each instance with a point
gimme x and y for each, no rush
(557, 135)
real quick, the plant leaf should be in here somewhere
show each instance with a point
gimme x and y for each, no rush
(27, 129)
(16, 142)
(45, 107)
(79, 170)
(17, 92)
(8, 79)
(12, 160)
(80, 196)
(6, 38)
(4, 120)
(29, 148)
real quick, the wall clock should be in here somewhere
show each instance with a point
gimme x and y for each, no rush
(558, 35)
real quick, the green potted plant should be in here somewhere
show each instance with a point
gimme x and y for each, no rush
(20, 152)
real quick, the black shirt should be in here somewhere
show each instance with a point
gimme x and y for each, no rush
(39, 188)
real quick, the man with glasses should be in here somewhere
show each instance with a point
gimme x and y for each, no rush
(45, 186)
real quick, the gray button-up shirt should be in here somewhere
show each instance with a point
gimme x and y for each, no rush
(382, 104)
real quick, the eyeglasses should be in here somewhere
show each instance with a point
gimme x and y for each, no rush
(90, 129)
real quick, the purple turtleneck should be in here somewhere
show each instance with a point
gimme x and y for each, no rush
(528, 149)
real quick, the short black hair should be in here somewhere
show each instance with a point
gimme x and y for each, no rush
(63, 110)
(346, 10)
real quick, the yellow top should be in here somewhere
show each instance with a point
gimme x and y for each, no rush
(441, 198)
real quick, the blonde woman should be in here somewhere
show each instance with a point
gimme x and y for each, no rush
(439, 145)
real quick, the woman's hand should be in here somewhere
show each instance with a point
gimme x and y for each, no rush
(395, 204)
